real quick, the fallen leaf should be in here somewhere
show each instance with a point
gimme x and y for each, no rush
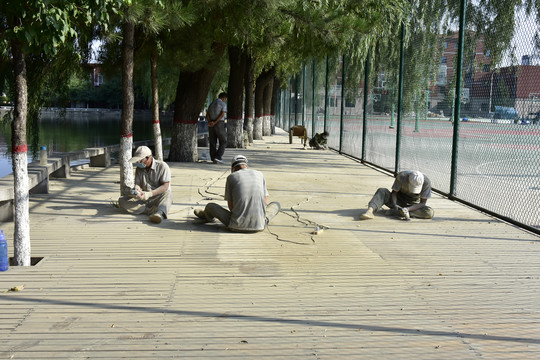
(17, 288)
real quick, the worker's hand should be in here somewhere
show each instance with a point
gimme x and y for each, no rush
(145, 195)
(403, 212)
(211, 123)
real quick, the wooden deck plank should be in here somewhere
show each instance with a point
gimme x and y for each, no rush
(112, 285)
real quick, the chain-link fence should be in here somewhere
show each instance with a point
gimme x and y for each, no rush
(399, 110)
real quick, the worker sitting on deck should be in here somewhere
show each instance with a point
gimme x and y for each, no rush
(152, 192)
(247, 197)
(410, 192)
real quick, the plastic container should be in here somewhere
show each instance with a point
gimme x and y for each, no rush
(4, 258)
(43, 155)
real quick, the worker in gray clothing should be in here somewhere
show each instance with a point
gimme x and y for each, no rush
(247, 199)
(216, 128)
(410, 192)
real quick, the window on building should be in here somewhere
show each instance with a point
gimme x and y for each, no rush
(446, 44)
(441, 76)
(350, 103)
(443, 60)
(488, 52)
(486, 67)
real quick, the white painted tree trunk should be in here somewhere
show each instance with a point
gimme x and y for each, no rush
(258, 128)
(272, 124)
(267, 130)
(126, 168)
(158, 149)
(21, 212)
(235, 133)
(249, 126)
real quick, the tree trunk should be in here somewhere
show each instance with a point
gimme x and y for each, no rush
(267, 105)
(235, 121)
(260, 88)
(191, 94)
(275, 89)
(259, 110)
(21, 216)
(249, 86)
(126, 126)
(158, 147)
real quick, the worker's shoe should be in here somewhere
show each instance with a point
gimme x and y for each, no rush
(201, 214)
(156, 218)
(366, 215)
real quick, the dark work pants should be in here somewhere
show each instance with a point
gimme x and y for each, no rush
(215, 133)
(383, 197)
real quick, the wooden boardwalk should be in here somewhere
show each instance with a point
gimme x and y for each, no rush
(113, 285)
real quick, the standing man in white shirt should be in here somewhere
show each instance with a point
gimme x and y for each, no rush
(216, 128)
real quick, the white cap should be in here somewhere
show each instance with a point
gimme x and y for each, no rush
(238, 160)
(416, 180)
(140, 153)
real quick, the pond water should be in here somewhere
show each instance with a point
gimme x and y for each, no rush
(79, 129)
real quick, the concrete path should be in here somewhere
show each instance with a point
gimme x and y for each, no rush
(113, 285)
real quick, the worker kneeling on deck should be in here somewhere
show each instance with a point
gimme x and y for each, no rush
(410, 192)
(247, 197)
(152, 192)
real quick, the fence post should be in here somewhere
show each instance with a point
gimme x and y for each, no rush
(364, 110)
(427, 104)
(400, 98)
(393, 114)
(416, 114)
(457, 98)
(326, 95)
(313, 98)
(342, 115)
(304, 95)
(291, 103)
(276, 109)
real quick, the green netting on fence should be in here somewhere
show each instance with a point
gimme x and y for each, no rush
(486, 154)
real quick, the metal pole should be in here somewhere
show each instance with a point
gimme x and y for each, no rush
(303, 95)
(392, 121)
(342, 117)
(457, 98)
(366, 88)
(291, 102)
(326, 94)
(277, 110)
(296, 86)
(416, 115)
(490, 91)
(313, 99)
(427, 104)
(400, 98)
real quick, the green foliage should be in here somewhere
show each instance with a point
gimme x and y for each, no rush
(43, 26)
(53, 34)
